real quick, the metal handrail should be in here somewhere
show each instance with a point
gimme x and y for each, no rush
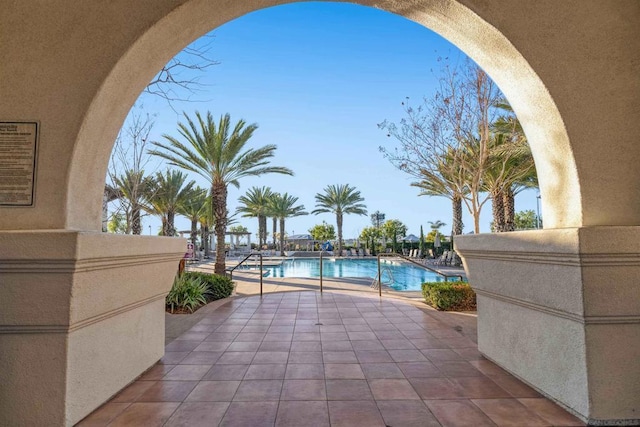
(242, 262)
(406, 258)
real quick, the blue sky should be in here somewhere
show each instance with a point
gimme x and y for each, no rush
(317, 78)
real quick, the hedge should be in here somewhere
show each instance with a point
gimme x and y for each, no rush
(449, 296)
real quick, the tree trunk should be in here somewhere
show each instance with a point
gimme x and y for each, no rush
(171, 229)
(205, 239)
(136, 225)
(457, 215)
(275, 230)
(194, 231)
(509, 210)
(219, 192)
(164, 225)
(339, 222)
(281, 236)
(498, 211)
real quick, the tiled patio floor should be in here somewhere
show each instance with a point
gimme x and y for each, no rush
(339, 359)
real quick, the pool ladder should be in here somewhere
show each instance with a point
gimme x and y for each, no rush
(376, 282)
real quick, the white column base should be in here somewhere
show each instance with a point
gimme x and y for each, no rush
(561, 310)
(83, 316)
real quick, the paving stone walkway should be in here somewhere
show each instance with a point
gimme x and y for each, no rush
(333, 359)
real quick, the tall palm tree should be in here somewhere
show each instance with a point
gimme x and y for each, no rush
(255, 204)
(283, 207)
(193, 208)
(168, 193)
(341, 200)
(216, 151)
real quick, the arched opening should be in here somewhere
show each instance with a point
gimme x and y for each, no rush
(491, 50)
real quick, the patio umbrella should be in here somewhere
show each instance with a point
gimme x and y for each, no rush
(411, 238)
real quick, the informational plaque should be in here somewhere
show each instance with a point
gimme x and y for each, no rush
(17, 163)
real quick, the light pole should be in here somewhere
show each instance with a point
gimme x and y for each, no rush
(538, 211)
(149, 230)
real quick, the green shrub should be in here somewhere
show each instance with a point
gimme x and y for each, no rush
(187, 294)
(218, 286)
(454, 296)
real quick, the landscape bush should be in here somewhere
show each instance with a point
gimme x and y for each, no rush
(187, 294)
(449, 296)
(219, 286)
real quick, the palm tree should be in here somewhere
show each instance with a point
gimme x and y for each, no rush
(132, 186)
(193, 208)
(283, 207)
(216, 151)
(255, 204)
(341, 200)
(168, 193)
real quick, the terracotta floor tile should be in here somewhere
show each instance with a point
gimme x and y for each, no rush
(337, 346)
(264, 357)
(193, 336)
(343, 371)
(480, 388)
(406, 413)
(334, 336)
(275, 346)
(187, 372)
(301, 371)
(392, 389)
(407, 356)
(253, 414)
(488, 368)
(367, 345)
(509, 412)
(339, 357)
(212, 346)
(355, 414)
(133, 391)
(222, 336)
(303, 413)
(156, 372)
(460, 342)
(436, 388)
(244, 346)
(103, 415)
(381, 370)
(236, 357)
(428, 343)
(147, 414)
(305, 357)
(514, 386)
(266, 372)
(393, 336)
(420, 370)
(213, 391)
(551, 412)
(173, 357)
(167, 391)
(458, 413)
(469, 353)
(361, 336)
(198, 414)
(182, 345)
(306, 346)
(441, 355)
(230, 328)
(201, 358)
(304, 390)
(258, 390)
(348, 390)
(373, 356)
(226, 372)
(458, 369)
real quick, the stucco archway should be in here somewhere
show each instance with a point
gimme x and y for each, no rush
(78, 70)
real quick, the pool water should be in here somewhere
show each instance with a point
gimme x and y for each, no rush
(399, 276)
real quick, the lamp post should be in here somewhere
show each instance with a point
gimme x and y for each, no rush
(538, 211)
(149, 230)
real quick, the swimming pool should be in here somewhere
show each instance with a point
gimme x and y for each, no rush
(399, 276)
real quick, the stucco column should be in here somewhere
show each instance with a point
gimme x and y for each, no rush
(560, 309)
(82, 316)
